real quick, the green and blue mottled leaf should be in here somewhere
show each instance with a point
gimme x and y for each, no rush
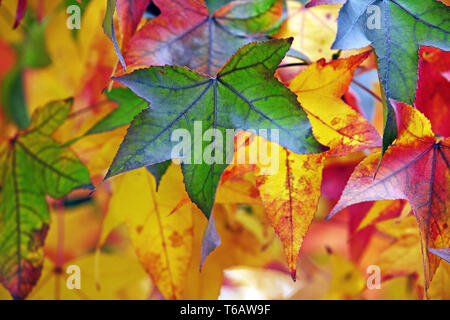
(244, 95)
(404, 26)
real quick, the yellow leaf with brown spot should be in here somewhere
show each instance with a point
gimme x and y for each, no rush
(162, 239)
(106, 277)
(335, 124)
(290, 196)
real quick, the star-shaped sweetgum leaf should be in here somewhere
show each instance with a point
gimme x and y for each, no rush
(243, 96)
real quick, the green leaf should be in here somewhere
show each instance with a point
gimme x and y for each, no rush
(108, 28)
(244, 95)
(35, 165)
(213, 5)
(158, 170)
(13, 98)
(129, 105)
(48, 119)
(404, 26)
(24, 223)
(108, 19)
(33, 50)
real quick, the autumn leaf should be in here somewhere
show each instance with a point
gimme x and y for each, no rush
(433, 88)
(337, 126)
(347, 280)
(186, 33)
(290, 191)
(313, 29)
(108, 28)
(416, 168)
(290, 197)
(130, 13)
(120, 277)
(35, 166)
(439, 286)
(402, 256)
(162, 238)
(395, 29)
(158, 170)
(221, 103)
(385, 210)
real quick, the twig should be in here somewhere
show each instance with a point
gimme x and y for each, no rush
(87, 109)
(293, 64)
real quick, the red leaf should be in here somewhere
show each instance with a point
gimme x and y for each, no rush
(433, 88)
(130, 13)
(416, 168)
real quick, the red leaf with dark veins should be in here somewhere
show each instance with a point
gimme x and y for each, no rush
(187, 34)
(130, 13)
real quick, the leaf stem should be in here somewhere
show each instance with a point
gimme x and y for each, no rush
(293, 64)
(87, 109)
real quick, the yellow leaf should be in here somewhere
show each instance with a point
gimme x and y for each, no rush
(162, 240)
(313, 29)
(204, 284)
(290, 196)
(347, 281)
(383, 210)
(404, 255)
(240, 189)
(439, 286)
(119, 277)
(80, 67)
(335, 124)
